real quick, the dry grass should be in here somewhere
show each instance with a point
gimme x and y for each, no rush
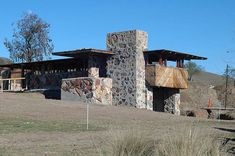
(31, 125)
(188, 142)
(132, 143)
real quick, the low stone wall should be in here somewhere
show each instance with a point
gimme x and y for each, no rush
(87, 89)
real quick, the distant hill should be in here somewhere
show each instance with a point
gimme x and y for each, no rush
(210, 78)
(4, 61)
(205, 86)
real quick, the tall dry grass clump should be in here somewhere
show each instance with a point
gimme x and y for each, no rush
(132, 143)
(191, 142)
(181, 143)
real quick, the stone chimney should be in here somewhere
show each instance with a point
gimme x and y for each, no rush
(127, 67)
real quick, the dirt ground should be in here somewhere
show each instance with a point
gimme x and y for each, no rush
(32, 125)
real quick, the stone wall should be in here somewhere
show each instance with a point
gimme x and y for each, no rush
(141, 45)
(166, 100)
(149, 97)
(127, 67)
(177, 104)
(172, 101)
(87, 89)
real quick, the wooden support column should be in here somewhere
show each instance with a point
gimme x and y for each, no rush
(14, 85)
(22, 75)
(182, 64)
(2, 86)
(9, 84)
(43, 69)
(177, 63)
(165, 62)
(146, 59)
(160, 61)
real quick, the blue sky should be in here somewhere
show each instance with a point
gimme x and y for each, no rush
(200, 27)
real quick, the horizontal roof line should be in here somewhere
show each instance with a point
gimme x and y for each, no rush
(175, 54)
(85, 51)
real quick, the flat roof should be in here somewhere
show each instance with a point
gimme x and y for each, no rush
(171, 55)
(84, 52)
(27, 65)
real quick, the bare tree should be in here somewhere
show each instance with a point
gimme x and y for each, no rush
(30, 41)
(230, 74)
(192, 68)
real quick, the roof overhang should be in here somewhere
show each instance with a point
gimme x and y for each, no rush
(171, 55)
(28, 65)
(84, 52)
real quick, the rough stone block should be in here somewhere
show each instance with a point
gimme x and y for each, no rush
(87, 89)
(127, 67)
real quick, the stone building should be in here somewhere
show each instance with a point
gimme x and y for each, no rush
(127, 73)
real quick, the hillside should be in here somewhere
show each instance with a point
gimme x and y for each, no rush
(4, 61)
(33, 125)
(205, 86)
(209, 78)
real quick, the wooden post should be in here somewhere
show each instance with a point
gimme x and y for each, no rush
(87, 116)
(9, 84)
(146, 60)
(2, 86)
(160, 61)
(181, 64)
(165, 62)
(14, 85)
(226, 88)
(177, 63)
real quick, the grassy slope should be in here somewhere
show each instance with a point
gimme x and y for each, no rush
(31, 125)
(209, 78)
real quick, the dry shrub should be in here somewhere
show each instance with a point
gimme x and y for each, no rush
(227, 116)
(132, 143)
(191, 113)
(183, 143)
(188, 143)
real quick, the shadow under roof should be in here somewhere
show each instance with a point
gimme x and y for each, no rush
(84, 52)
(37, 64)
(171, 55)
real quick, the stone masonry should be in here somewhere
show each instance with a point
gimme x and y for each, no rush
(172, 102)
(87, 89)
(149, 97)
(91, 89)
(127, 67)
